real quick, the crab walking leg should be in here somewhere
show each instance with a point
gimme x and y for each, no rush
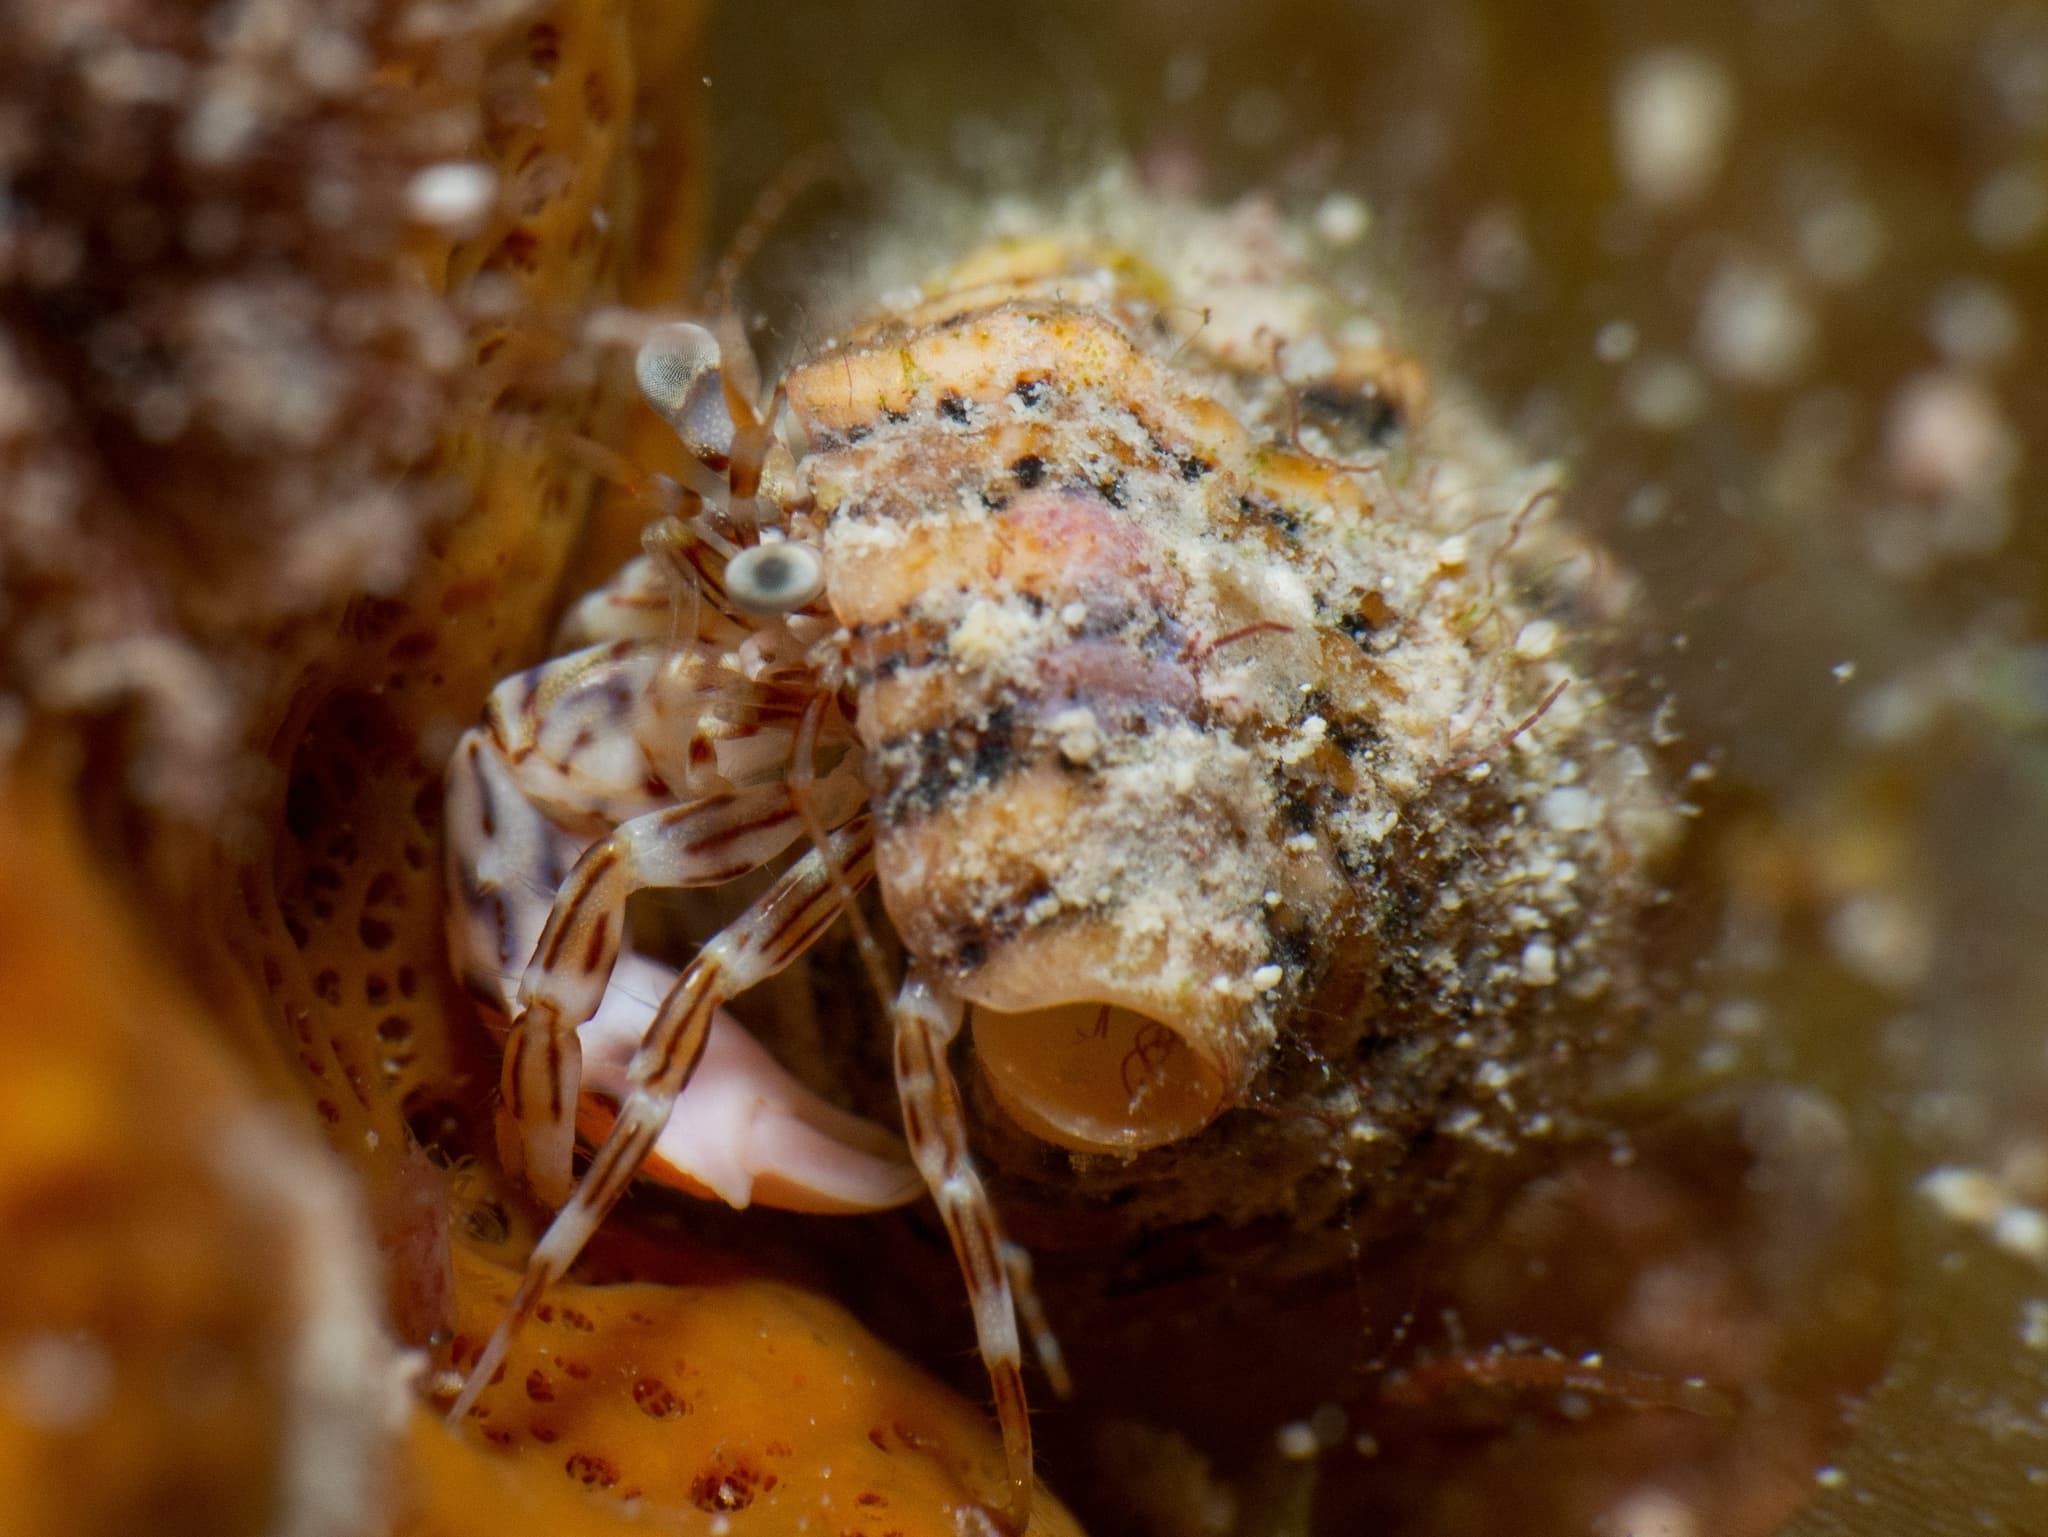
(704, 843)
(615, 731)
(747, 1131)
(926, 1022)
(1045, 1344)
(504, 861)
(780, 926)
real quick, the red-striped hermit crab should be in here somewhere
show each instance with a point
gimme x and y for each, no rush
(1122, 612)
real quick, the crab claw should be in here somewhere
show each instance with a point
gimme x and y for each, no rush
(744, 1130)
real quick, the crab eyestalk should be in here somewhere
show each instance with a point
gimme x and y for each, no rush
(678, 371)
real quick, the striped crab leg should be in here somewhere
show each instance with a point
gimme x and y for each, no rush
(767, 937)
(927, 1019)
(747, 1131)
(705, 842)
(997, 1272)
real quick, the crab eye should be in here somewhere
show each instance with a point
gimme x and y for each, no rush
(677, 369)
(776, 578)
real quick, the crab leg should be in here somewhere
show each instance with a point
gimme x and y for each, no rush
(566, 731)
(747, 1131)
(926, 1022)
(704, 843)
(504, 860)
(615, 731)
(774, 931)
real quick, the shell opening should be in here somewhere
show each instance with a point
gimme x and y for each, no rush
(1097, 1077)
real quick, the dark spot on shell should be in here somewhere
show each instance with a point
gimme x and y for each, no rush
(1297, 811)
(1352, 418)
(1354, 736)
(994, 752)
(1293, 947)
(1029, 470)
(1366, 618)
(1270, 512)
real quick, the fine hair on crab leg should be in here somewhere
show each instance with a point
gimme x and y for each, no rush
(781, 924)
(703, 843)
(935, 1126)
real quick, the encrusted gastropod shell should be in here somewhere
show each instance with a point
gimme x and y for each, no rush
(1183, 728)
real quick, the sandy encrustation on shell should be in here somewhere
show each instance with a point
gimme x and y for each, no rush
(1391, 857)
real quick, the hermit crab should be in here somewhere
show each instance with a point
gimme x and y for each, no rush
(1197, 693)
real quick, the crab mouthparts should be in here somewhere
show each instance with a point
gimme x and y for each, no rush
(1098, 1077)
